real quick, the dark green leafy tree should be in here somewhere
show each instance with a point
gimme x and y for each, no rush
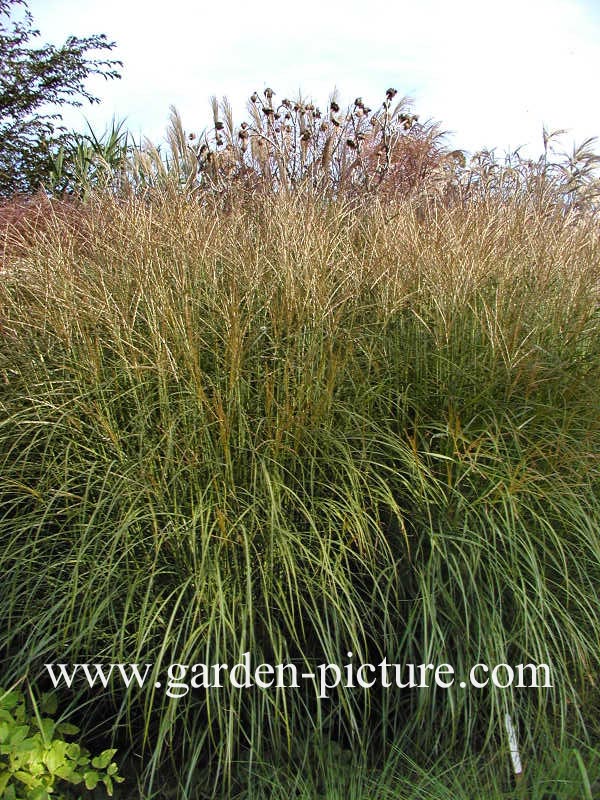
(34, 84)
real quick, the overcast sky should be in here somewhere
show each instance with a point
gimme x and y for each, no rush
(491, 73)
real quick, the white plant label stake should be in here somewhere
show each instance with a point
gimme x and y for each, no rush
(514, 747)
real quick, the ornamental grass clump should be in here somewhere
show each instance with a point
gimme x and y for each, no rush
(303, 428)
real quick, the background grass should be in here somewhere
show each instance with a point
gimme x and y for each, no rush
(303, 428)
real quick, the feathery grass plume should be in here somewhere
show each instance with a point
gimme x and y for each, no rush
(327, 154)
(229, 126)
(557, 180)
(181, 158)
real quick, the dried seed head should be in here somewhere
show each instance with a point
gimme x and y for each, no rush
(244, 125)
(254, 97)
(286, 103)
(358, 102)
(408, 120)
(459, 157)
(267, 110)
(306, 136)
(334, 106)
(335, 121)
(269, 93)
(219, 125)
(317, 114)
(351, 144)
(191, 137)
(391, 93)
(219, 140)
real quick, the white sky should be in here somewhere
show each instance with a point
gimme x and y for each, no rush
(492, 73)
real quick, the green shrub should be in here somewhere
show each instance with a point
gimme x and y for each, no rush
(36, 762)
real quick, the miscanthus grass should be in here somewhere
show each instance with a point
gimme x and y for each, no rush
(302, 429)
